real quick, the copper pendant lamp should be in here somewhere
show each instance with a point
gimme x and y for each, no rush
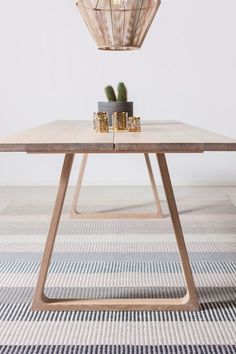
(118, 24)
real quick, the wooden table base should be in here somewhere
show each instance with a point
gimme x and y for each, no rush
(76, 214)
(43, 303)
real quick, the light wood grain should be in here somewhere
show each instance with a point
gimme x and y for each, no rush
(78, 136)
(171, 136)
(49, 304)
(59, 136)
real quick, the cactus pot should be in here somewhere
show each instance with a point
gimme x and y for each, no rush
(115, 106)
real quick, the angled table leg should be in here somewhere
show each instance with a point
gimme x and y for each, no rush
(40, 299)
(154, 187)
(187, 272)
(43, 303)
(76, 214)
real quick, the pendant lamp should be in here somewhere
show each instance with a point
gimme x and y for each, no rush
(118, 24)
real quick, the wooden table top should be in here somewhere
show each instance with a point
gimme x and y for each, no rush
(78, 136)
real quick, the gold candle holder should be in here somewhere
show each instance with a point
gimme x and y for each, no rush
(134, 124)
(95, 121)
(119, 121)
(102, 124)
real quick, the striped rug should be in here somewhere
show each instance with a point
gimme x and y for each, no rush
(115, 258)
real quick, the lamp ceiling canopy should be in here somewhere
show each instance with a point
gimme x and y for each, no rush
(118, 24)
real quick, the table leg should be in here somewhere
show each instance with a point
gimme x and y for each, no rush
(154, 187)
(43, 303)
(40, 299)
(191, 290)
(76, 214)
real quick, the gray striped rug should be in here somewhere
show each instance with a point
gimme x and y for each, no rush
(115, 258)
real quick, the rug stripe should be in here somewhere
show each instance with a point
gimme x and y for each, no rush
(119, 349)
(117, 267)
(112, 332)
(206, 294)
(119, 257)
(116, 247)
(208, 312)
(127, 279)
(117, 227)
(124, 238)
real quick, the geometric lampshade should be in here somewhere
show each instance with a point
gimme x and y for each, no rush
(118, 24)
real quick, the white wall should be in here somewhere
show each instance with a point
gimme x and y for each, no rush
(50, 69)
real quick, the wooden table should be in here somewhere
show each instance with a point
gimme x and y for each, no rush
(72, 137)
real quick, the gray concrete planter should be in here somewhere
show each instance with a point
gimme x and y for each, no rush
(115, 106)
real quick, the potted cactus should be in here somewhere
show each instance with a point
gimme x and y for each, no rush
(115, 103)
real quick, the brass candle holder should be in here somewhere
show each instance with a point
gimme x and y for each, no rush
(134, 124)
(95, 121)
(101, 123)
(119, 121)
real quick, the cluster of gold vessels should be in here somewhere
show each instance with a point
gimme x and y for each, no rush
(120, 122)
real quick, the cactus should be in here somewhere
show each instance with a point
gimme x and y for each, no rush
(122, 92)
(110, 93)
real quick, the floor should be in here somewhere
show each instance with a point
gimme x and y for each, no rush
(39, 196)
(115, 258)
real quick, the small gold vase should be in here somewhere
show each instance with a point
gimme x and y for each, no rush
(119, 121)
(102, 125)
(134, 125)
